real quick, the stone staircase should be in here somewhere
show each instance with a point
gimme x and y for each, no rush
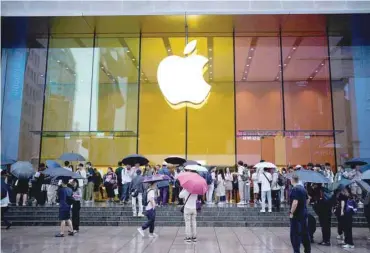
(228, 216)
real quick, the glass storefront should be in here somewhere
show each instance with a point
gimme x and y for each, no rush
(287, 89)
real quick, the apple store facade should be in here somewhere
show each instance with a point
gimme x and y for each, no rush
(290, 89)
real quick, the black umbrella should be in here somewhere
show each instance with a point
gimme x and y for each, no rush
(358, 161)
(175, 160)
(134, 159)
(59, 172)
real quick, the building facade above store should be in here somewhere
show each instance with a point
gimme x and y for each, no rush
(175, 7)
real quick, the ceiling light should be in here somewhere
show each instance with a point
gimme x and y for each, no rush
(142, 73)
(41, 75)
(210, 66)
(58, 61)
(247, 65)
(128, 51)
(133, 59)
(294, 48)
(67, 68)
(210, 73)
(246, 72)
(252, 48)
(169, 49)
(210, 49)
(250, 57)
(210, 58)
(289, 57)
(243, 78)
(102, 67)
(82, 81)
(322, 64)
(316, 71)
(310, 77)
(108, 74)
(284, 64)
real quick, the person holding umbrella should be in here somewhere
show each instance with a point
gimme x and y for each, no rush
(65, 196)
(193, 185)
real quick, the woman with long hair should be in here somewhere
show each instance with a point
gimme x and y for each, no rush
(110, 183)
(228, 185)
(77, 195)
(220, 190)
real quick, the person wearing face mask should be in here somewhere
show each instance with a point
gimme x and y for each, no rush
(298, 217)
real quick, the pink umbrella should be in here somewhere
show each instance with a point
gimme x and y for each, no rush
(193, 183)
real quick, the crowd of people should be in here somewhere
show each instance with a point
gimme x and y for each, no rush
(241, 185)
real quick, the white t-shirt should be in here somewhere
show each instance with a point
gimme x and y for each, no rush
(265, 183)
(150, 196)
(192, 201)
(240, 172)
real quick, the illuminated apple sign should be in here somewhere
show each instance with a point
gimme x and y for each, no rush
(181, 78)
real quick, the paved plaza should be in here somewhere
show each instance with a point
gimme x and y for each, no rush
(170, 240)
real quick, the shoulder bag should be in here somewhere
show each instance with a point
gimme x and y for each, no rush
(183, 207)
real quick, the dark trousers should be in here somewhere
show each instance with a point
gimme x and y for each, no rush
(125, 192)
(323, 210)
(150, 214)
(119, 190)
(163, 198)
(76, 215)
(347, 219)
(276, 199)
(3, 219)
(260, 192)
(299, 234)
(340, 220)
(175, 194)
(367, 214)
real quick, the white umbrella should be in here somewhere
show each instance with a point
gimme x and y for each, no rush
(265, 165)
(196, 168)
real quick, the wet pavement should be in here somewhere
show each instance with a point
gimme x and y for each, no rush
(169, 240)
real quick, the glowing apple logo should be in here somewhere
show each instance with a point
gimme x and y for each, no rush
(181, 78)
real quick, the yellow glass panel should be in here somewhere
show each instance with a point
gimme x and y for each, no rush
(211, 133)
(161, 128)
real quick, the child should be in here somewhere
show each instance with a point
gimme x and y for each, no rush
(150, 211)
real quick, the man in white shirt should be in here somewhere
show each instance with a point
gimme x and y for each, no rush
(275, 190)
(241, 183)
(329, 173)
(82, 183)
(211, 188)
(66, 166)
(127, 175)
(265, 178)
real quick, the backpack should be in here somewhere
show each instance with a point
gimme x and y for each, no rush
(209, 178)
(281, 180)
(245, 176)
(351, 206)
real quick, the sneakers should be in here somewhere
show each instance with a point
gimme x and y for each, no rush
(340, 237)
(153, 235)
(134, 215)
(141, 231)
(324, 243)
(270, 211)
(348, 246)
(241, 203)
(263, 211)
(140, 215)
(194, 239)
(188, 239)
(59, 235)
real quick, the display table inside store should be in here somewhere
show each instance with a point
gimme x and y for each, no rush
(112, 214)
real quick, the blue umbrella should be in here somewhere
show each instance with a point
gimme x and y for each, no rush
(71, 157)
(59, 172)
(22, 169)
(309, 176)
(358, 161)
(52, 164)
(366, 175)
(365, 168)
(341, 183)
(134, 159)
(6, 161)
(156, 178)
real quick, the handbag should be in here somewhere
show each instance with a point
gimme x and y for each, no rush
(183, 207)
